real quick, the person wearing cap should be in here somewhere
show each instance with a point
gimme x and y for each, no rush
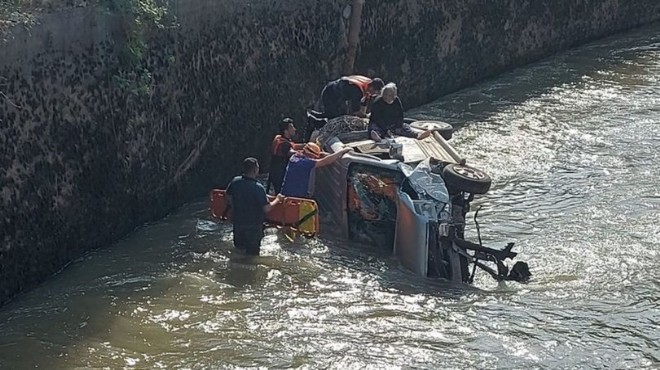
(282, 149)
(387, 115)
(249, 204)
(299, 171)
(349, 95)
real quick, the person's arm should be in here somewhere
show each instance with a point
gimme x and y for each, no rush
(332, 158)
(272, 204)
(398, 114)
(362, 113)
(368, 102)
(355, 101)
(286, 150)
(229, 190)
(376, 116)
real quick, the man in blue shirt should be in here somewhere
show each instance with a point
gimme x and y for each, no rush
(299, 170)
(249, 204)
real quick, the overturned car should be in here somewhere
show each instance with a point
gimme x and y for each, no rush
(411, 196)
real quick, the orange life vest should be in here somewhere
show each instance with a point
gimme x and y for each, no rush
(277, 142)
(359, 81)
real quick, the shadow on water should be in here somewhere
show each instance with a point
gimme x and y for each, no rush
(495, 95)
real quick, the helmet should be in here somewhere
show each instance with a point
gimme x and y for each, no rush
(312, 150)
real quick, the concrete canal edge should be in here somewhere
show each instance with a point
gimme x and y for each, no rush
(103, 129)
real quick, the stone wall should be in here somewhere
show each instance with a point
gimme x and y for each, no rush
(84, 158)
(431, 48)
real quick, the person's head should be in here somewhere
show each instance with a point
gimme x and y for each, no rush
(389, 93)
(250, 167)
(375, 86)
(286, 128)
(312, 150)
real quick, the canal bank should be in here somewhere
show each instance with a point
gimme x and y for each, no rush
(104, 129)
(577, 193)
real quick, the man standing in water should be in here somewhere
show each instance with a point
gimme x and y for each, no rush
(249, 204)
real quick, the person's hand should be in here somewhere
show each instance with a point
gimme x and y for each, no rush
(279, 198)
(346, 149)
(424, 135)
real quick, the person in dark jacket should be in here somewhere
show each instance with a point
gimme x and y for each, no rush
(282, 149)
(249, 204)
(349, 95)
(387, 116)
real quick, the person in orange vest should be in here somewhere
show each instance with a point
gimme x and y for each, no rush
(349, 95)
(282, 149)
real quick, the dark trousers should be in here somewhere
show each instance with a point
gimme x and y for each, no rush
(275, 178)
(248, 238)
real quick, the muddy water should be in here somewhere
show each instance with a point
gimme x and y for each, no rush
(573, 146)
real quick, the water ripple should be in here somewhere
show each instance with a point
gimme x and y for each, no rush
(573, 146)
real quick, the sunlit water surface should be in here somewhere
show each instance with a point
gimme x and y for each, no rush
(572, 144)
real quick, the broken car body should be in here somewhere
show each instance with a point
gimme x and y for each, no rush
(411, 196)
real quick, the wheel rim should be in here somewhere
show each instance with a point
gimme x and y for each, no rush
(470, 173)
(433, 125)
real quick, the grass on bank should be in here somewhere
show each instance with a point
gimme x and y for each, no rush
(24, 12)
(138, 17)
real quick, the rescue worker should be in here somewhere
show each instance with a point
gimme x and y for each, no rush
(387, 115)
(299, 171)
(349, 95)
(249, 204)
(282, 149)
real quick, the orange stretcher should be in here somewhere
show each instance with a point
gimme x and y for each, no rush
(296, 214)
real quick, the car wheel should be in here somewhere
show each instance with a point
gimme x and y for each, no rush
(466, 178)
(409, 120)
(443, 128)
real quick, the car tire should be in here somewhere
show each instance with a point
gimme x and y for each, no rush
(443, 128)
(466, 178)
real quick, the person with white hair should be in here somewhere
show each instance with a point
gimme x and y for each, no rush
(387, 116)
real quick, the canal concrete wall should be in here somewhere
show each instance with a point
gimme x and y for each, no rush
(93, 144)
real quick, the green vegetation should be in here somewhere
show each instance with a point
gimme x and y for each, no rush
(138, 18)
(16, 12)
(13, 12)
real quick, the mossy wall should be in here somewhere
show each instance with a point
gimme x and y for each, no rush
(86, 157)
